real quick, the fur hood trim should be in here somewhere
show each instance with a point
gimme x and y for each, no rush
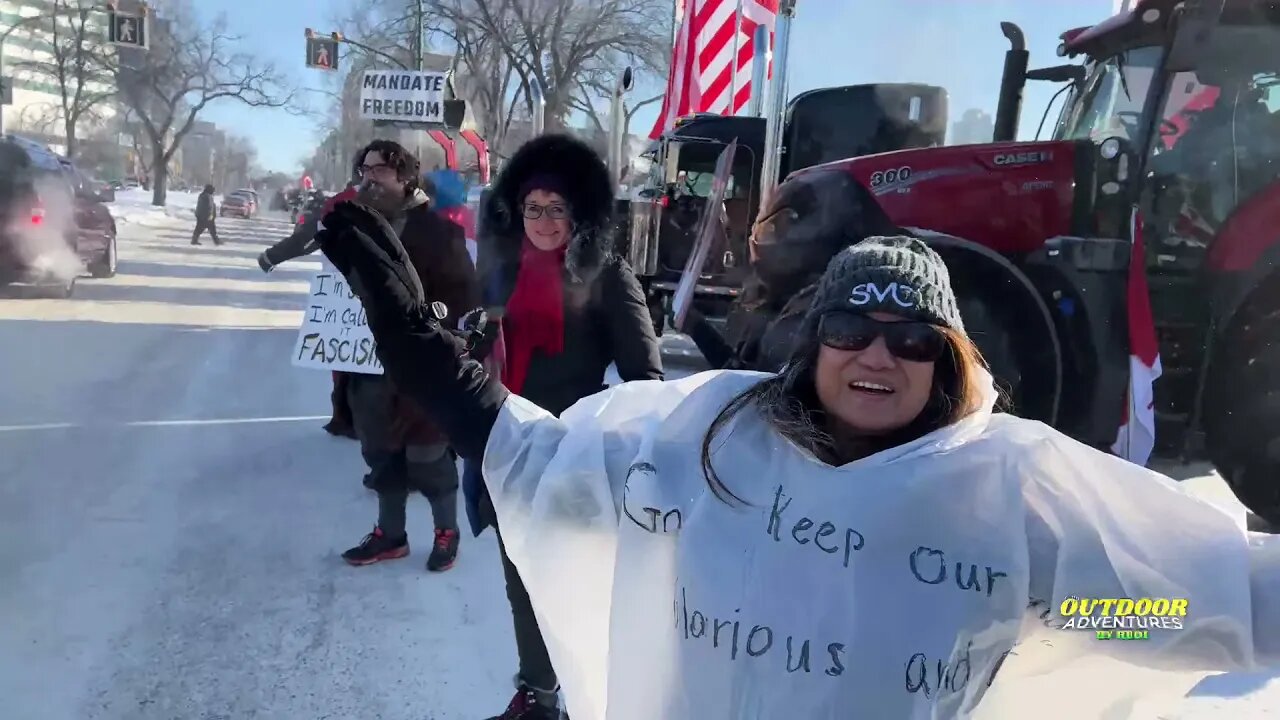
(587, 188)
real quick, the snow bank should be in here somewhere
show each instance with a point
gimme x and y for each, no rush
(134, 206)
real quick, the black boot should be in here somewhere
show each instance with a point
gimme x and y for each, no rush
(530, 704)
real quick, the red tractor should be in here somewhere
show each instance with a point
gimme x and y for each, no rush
(1166, 152)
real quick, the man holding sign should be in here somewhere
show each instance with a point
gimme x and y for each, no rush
(403, 449)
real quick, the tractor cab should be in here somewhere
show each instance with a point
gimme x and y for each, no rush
(1191, 99)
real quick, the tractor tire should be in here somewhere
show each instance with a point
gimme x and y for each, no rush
(994, 338)
(1003, 319)
(1242, 412)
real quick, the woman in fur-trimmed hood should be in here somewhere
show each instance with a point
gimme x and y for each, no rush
(569, 308)
(584, 183)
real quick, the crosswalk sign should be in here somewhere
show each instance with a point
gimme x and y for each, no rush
(126, 29)
(322, 51)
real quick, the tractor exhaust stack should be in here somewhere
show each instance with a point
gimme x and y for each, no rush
(776, 106)
(759, 70)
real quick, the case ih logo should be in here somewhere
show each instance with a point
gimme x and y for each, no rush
(1023, 158)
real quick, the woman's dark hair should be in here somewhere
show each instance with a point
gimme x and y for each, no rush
(789, 403)
(397, 157)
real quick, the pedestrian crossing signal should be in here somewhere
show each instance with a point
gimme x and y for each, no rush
(127, 29)
(322, 51)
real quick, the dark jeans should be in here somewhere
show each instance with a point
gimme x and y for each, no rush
(535, 663)
(428, 469)
(201, 226)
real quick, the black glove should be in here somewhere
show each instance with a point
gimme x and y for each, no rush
(422, 359)
(364, 247)
(480, 332)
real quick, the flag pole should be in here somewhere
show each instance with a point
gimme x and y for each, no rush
(733, 63)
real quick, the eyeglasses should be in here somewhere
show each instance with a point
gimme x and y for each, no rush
(380, 168)
(533, 211)
(906, 340)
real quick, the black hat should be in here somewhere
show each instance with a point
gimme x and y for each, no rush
(899, 275)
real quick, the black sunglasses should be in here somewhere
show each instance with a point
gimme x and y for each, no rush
(907, 340)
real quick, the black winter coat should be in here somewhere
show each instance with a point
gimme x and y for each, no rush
(204, 207)
(606, 318)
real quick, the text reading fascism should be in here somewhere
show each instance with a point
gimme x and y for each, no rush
(361, 351)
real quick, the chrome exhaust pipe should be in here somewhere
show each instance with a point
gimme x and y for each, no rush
(760, 56)
(618, 126)
(539, 101)
(777, 105)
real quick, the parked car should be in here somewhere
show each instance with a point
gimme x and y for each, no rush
(255, 205)
(240, 203)
(39, 245)
(236, 204)
(105, 191)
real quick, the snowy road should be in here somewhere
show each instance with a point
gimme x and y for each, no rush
(171, 515)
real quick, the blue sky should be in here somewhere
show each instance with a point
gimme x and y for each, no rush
(953, 43)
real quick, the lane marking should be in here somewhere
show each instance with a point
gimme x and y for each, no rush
(165, 423)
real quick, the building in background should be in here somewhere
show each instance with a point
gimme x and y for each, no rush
(36, 111)
(974, 126)
(201, 150)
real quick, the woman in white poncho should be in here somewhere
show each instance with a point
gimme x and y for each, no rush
(859, 536)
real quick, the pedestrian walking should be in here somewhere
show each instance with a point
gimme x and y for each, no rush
(798, 544)
(406, 452)
(568, 307)
(206, 217)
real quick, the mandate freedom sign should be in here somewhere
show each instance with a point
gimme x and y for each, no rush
(404, 95)
(335, 334)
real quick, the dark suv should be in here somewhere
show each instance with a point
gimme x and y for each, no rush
(53, 222)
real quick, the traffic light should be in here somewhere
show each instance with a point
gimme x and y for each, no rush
(128, 29)
(322, 50)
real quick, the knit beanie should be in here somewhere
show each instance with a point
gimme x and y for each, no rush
(899, 275)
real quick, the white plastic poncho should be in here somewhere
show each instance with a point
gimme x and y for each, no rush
(892, 587)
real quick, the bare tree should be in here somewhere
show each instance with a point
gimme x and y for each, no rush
(72, 66)
(141, 153)
(597, 83)
(189, 64)
(500, 46)
(559, 42)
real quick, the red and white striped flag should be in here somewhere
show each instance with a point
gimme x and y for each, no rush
(705, 76)
(1137, 436)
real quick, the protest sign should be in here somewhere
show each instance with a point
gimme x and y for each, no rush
(404, 95)
(335, 333)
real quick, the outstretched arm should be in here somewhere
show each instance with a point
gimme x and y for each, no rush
(422, 358)
(301, 242)
(1101, 527)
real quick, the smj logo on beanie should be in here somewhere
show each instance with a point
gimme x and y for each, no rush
(868, 293)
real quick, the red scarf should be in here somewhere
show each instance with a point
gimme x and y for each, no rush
(535, 313)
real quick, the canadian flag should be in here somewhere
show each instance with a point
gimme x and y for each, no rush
(1137, 436)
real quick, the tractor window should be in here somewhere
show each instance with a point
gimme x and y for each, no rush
(1219, 141)
(1113, 97)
